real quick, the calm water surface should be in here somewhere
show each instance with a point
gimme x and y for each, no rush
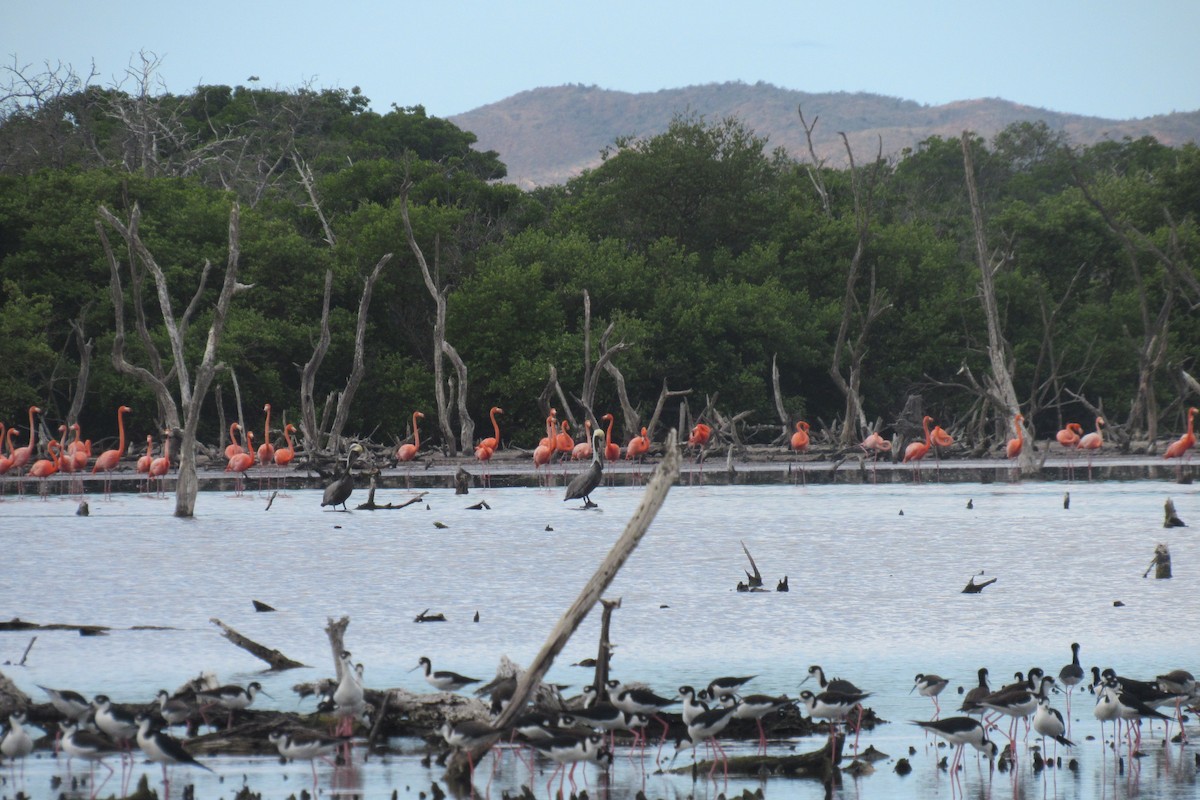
(875, 597)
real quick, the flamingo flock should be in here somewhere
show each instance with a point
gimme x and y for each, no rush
(60, 456)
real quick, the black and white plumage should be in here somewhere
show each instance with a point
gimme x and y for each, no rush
(443, 680)
(162, 748)
(567, 749)
(70, 704)
(1048, 721)
(91, 747)
(114, 722)
(342, 485)
(704, 728)
(830, 705)
(173, 710)
(348, 697)
(231, 698)
(583, 484)
(1072, 674)
(971, 700)
(727, 685)
(693, 703)
(831, 685)
(755, 707)
(930, 686)
(16, 743)
(467, 735)
(304, 745)
(960, 732)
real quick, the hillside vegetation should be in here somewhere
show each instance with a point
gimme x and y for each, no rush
(548, 135)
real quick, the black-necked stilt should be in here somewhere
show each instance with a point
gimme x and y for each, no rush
(162, 748)
(833, 706)
(16, 743)
(1048, 721)
(721, 687)
(930, 686)
(971, 700)
(91, 747)
(173, 710)
(1071, 675)
(70, 704)
(637, 700)
(1130, 707)
(1019, 701)
(231, 697)
(467, 735)
(305, 745)
(567, 749)
(704, 728)
(693, 704)
(755, 707)
(443, 680)
(960, 732)
(116, 723)
(832, 685)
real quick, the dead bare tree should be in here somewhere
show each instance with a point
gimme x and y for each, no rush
(1152, 351)
(441, 348)
(179, 378)
(604, 357)
(997, 386)
(850, 350)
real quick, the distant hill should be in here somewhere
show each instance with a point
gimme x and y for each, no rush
(547, 135)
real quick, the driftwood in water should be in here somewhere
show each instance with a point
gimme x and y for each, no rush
(462, 481)
(425, 616)
(18, 624)
(975, 588)
(600, 684)
(1161, 563)
(667, 472)
(816, 764)
(276, 659)
(336, 631)
(371, 505)
(755, 579)
(1170, 518)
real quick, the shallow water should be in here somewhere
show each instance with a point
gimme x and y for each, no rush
(875, 597)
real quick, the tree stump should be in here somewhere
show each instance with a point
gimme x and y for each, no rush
(1161, 563)
(1170, 519)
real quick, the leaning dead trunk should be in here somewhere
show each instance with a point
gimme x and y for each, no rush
(998, 384)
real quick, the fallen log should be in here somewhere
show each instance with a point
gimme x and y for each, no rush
(816, 764)
(276, 659)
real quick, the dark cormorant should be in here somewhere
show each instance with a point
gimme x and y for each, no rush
(338, 492)
(582, 484)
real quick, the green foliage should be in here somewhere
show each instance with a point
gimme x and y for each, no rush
(707, 254)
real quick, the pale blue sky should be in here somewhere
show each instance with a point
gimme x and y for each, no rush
(1102, 58)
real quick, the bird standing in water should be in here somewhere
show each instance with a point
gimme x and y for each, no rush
(338, 491)
(583, 484)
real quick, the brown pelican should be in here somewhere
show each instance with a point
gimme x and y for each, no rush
(582, 484)
(338, 492)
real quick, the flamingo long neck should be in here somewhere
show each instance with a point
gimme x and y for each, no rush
(416, 432)
(12, 434)
(33, 409)
(495, 427)
(167, 447)
(121, 430)
(925, 425)
(233, 433)
(1020, 431)
(149, 447)
(1191, 421)
(608, 432)
(287, 438)
(267, 432)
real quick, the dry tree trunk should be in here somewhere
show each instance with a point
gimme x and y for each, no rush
(785, 422)
(440, 346)
(664, 477)
(663, 396)
(604, 358)
(85, 347)
(308, 375)
(998, 386)
(346, 396)
(191, 393)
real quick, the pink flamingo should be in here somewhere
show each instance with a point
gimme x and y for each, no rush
(799, 443)
(161, 465)
(1013, 448)
(493, 442)
(1180, 447)
(1092, 442)
(266, 450)
(233, 448)
(583, 450)
(22, 455)
(918, 450)
(407, 452)
(45, 467)
(6, 462)
(143, 463)
(875, 444)
(545, 448)
(1069, 437)
(109, 459)
(939, 438)
(240, 463)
